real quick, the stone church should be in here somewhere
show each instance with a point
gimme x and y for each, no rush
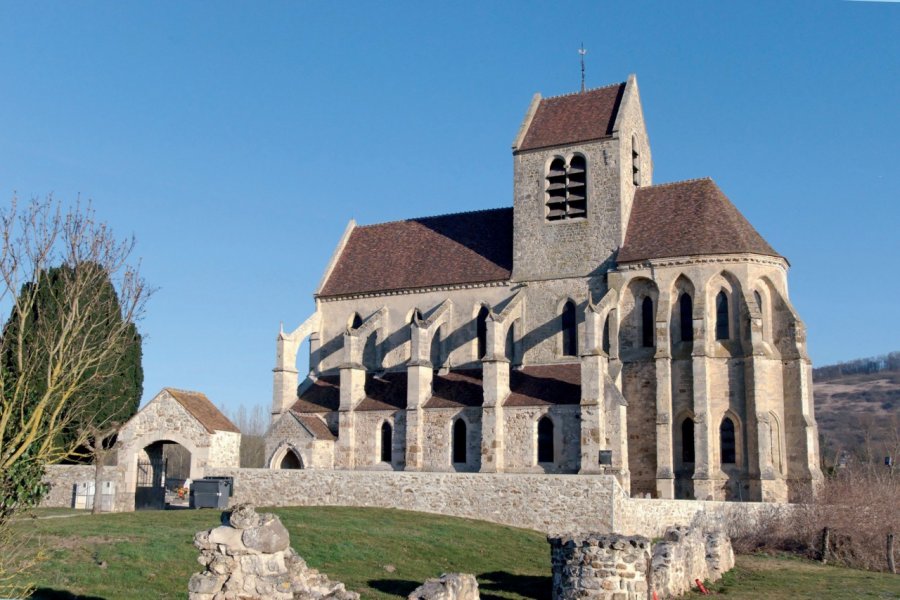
(602, 324)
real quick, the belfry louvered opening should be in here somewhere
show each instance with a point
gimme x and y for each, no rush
(567, 189)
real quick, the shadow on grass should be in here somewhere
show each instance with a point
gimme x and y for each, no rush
(397, 587)
(526, 586)
(48, 594)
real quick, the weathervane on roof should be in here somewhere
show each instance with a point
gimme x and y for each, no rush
(582, 52)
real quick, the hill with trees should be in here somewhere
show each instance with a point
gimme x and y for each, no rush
(858, 408)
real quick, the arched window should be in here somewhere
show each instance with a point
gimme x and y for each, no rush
(545, 440)
(722, 330)
(510, 349)
(481, 331)
(647, 323)
(687, 440)
(569, 330)
(355, 321)
(291, 461)
(635, 162)
(606, 345)
(567, 189)
(686, 317)
(386, 435)
(759, 302)
(727, 442)
(460, 441)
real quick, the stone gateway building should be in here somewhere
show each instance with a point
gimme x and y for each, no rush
(602, 324)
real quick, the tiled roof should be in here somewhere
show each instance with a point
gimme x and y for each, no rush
(473, 247)
(323, 395)
(580, 117)
(456, 389)
(387, 392)
(199, 406)
(316, 426)
(529, 386)
(687, 218)
(544, 385)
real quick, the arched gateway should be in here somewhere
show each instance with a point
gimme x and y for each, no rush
(176, 436)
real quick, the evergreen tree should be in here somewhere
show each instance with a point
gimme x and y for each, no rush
(110, 389)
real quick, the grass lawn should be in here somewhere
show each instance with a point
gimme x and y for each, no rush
(760, 577)
(379, 553)
(150, 554)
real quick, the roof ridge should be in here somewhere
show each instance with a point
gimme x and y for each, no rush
(183, 391)
(682, 181)
(453, 214)
(602, 87)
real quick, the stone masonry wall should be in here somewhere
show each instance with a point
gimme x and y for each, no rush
(367, 444)
(651, 517)
(437, 430)
(64, 478)
(225, 449)
(601, 566)
(521, 439)
(541, 502)
(618, 567)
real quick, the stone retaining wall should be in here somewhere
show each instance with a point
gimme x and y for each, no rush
(547, 503)
(651, 517)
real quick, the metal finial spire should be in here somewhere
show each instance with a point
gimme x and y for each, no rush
(582, 52)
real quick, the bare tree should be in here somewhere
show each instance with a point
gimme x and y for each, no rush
(52, 354)
(253, 424)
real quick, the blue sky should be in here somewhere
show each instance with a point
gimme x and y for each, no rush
(235, 140)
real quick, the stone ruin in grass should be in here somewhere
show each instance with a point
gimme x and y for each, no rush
(250, 556)
(618, 567)
(449, 586)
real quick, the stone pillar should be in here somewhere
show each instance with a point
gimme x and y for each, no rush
(613, 416)
(419, 377)
(285, 379)
(353, 391)
(804, 474)
(594, 369)
(495, 382)
(665, 471)
(707, 473)
(766, 481)
(617, 434)
(496, 389)
(315, 347)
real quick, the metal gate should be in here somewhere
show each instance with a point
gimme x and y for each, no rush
(150, 493)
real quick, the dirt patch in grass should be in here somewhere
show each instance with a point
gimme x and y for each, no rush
(78, 542)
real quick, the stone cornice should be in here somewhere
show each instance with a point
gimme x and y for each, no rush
(423, 290)
(677, 261)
